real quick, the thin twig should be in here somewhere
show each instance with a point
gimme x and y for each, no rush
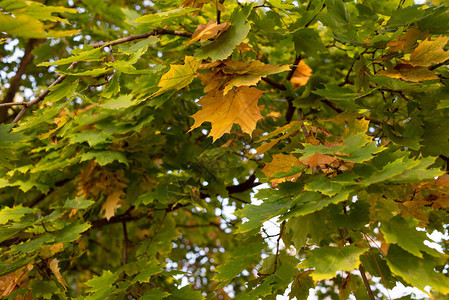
(278, 242)
(366, 282)
(218, 11)
(294, 67)
(13, 104)
(361, 269)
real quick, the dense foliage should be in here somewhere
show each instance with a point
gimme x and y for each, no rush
(133, 132)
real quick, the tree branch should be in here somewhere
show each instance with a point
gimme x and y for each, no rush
(16, 80)
(244, 186)
(277, 85)
(98, 45)
(439, 65)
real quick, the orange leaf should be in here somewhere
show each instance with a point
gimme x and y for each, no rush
(318, 159)
(206, 31)
(301, 75)
(238, 106)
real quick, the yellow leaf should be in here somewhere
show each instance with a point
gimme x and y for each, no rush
(281, 163)
(178, 76)
(111, 203)
(206, 31)
(409, 73)
(430, 52)
(53, 265)
(301, 75)
(239, 106)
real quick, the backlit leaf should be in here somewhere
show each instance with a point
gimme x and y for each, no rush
(327, 261)
(178, 76)
(238, 106)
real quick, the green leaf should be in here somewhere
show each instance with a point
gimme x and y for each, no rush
(223, 46)
(309, 202)
(178, 76)
(402, 231)
(336, 93)
(185, 293)
(301, 286)
(78, 203)
(14, 214)
(71, 232)
(87, 53)
(100, 287)
(327, 261)
(92, 137)
(122, 101)
(309, 41)
(416, 271)
(7, 138)
(154, 294)
(7, 267)
(105, 157)
(140, 47)
(155, 19)
(261, 213)
(146, 272)
(44, 289)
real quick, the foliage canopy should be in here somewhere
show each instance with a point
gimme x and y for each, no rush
(133, 132)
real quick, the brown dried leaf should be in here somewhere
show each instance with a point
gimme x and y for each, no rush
(206, 31)
(53, 265)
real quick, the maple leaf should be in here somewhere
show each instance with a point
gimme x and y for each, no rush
(206, 31)
(408, 41)
(301, 75)
(281, 163)
(429, 52)
(110, 205)
(318, 159)
(409, 73)
(248, 73)
(229, 74)
(53, 265)
(178, 76)
(239, 106)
